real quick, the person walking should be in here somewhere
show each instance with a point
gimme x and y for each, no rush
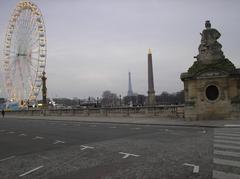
(3, 113)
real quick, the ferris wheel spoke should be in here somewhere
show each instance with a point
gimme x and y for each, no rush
(35, 59)
(35, 52)
(12, 52)
(34, 44)
(29, 62)
(33, 67)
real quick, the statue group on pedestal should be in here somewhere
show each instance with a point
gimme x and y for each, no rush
(210, 49)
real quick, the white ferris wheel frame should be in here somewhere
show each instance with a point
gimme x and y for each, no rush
(24, 53)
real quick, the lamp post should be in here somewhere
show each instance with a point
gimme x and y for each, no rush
(97, 101)
(120, 100)
(44, 90)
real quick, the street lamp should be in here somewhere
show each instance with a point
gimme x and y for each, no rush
(120, 100)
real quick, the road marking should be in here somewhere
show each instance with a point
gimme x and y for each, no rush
(84, 147)
(226, 146)
(232, 125)
(228, 130)
(195, 167)
(226, 137)
(227, 134)
(58, 141)
(113, 127)
(126, 155)
(223, 175)
(43, 157)
(22, 135)
(136, 128)
(226, 153)
(38, 137)
(30, 171)
(226, 141)
(92, 126)
(226, 162)
(11, 132)
(8, 158)
(166, 130)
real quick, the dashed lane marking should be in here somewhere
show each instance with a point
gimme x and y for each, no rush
(22, 135)
(93, 126)
(113, 127)
(195, 167)
(59, 142)
(38, 138)
(31, 171)
(43, 157)
(126, 155)
(11, 132)
(136, 128)
(84, 147)
(8, 158)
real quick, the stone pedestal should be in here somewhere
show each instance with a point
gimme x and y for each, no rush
(212, 95)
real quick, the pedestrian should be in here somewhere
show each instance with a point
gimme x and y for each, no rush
(3, 113)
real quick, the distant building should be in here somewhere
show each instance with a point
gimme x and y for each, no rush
(137, 100)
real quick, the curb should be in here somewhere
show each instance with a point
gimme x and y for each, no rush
(129, 123)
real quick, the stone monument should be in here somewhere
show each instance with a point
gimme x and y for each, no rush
(130, 91)
(212, 83)
(151, 91)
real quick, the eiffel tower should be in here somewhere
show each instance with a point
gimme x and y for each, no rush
(130, 91)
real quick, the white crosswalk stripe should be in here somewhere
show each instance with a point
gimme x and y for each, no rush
(226, 141)
(228, 134)
(226, 137)
(226, 153)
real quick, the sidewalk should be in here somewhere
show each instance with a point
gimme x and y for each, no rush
(138, 120)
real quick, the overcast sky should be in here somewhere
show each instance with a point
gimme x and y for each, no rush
(92, 44)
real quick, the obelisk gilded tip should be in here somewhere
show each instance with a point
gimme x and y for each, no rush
(149, 51)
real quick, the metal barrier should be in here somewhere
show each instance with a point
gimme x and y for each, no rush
(171, 111)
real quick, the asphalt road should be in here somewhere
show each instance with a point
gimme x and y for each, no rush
(79, 150)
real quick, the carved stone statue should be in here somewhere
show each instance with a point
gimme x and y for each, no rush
(210, 48)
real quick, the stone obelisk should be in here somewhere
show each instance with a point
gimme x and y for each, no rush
(130, 91)
(151, 92)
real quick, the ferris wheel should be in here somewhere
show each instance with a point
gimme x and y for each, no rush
(24, 53)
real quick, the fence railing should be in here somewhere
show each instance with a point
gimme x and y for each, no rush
(172, 111)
